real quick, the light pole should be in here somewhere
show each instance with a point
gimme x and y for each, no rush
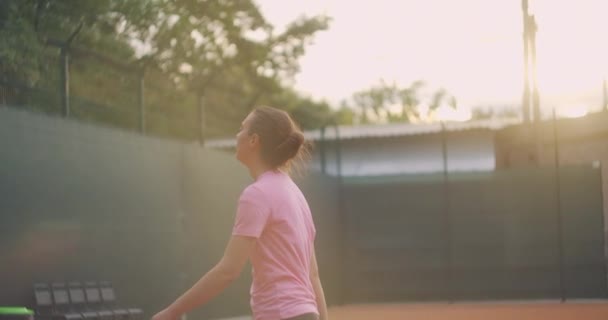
(526, 94)
(605, 99)
(531, 97)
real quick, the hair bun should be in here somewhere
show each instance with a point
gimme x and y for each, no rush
(281, 139)
(289, 148)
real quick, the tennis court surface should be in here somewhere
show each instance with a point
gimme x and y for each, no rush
(527, 310)
(579, 310)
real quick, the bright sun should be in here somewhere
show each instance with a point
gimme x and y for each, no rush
(573, 111)
(447, 113)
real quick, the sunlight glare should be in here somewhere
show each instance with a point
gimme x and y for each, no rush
(573, 111)
(447, 113)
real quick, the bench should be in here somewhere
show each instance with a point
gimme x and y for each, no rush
(75, 300)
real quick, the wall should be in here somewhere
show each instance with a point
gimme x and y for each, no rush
(582, 141)
(498, 235)
(467, 150)
(81, 202)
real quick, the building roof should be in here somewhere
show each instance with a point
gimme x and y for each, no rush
(386, 130)
(593, 124)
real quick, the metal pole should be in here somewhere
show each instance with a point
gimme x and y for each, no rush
(447, 223)
(560, 241)
(526, 94)
(141, 102)
(605, 100)
(343, 218)
(64, 86)
(604, 229)
(535, 96)
(65, 71)
(201, 118)
(338, 151)
(322, 150)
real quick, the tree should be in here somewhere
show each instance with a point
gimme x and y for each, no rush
(374, 101)
(410, 100)
(344, 115)
(382, 100)
(488, 112)
(224, 51)
(31, 32)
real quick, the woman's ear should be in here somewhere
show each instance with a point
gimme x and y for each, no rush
(254, 140)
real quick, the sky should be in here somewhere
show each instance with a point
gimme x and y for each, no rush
(472, 48)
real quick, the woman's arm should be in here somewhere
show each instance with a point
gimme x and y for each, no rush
(316, 284)
(213, 282)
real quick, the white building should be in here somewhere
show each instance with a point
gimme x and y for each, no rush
(370, 150)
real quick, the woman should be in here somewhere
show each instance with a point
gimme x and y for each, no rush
(273, 228)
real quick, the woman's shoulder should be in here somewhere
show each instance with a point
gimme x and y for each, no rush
(269, 188)
(253, 189)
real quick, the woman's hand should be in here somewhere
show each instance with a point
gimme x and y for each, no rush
(213, 282)
(165, 314)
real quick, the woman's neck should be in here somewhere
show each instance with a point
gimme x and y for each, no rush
(257, 169)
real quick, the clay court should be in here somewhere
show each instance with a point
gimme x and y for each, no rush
(587, 310)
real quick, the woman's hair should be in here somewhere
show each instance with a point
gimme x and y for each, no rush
(280, 138)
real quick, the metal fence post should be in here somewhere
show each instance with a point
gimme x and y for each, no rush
(342, 216)
(604, 230)
(447, 221)
(64, 85)
(322, 150)
(560, 240)
(605, 96)
(201, 118)
(141, 101)
(65, 70)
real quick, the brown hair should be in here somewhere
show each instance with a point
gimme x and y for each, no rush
(280, 138)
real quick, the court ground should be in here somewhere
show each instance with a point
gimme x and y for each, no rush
(529, 310)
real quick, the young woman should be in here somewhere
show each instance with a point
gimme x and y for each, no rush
(273, 228)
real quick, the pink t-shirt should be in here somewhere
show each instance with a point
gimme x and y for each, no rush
(274, 210)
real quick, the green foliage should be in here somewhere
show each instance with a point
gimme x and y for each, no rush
(375, 99)
(345, 116)
(19, 51)
(222, 54)
(388, 102)
(485, 113)
(308, 113)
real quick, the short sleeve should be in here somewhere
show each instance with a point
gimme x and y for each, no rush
(252, 213)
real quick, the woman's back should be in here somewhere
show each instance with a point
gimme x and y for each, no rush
(274, 210)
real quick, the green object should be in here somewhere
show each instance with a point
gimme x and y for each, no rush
(15, 311)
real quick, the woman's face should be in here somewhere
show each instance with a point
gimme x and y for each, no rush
(247, 145)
